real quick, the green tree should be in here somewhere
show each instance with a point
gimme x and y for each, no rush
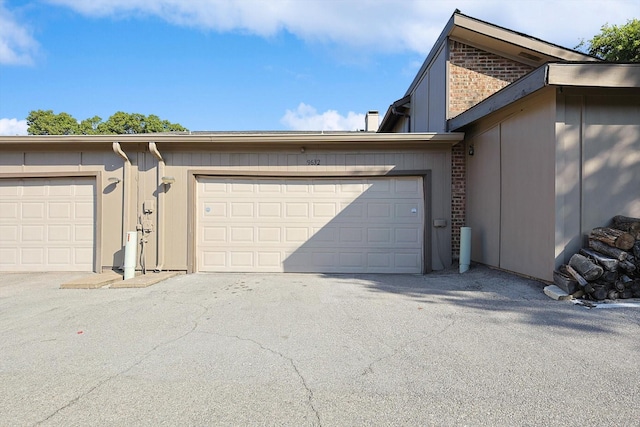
(46, 122)
(616, 43)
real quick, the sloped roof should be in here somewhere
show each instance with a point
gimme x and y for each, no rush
(567, 74)
(495, 39)
(501, 41)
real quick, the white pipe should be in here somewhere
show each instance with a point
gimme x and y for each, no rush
(130, 254)
(465, 248)
(160, 239)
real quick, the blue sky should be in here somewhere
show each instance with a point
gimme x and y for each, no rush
(245, 65)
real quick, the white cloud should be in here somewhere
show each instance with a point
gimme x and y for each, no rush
(16, 44)
(305, 117)
(11, 127)
(387, 25)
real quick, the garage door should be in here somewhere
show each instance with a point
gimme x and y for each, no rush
(47, 224)
(310, 225)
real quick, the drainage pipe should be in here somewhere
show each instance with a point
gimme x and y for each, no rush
(160, 239)
(125, 189)
(465, 248)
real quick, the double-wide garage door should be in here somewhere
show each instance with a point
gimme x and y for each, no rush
(346, 225)
(47, 224)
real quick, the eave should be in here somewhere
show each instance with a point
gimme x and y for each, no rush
(604, 75)
(232, 141)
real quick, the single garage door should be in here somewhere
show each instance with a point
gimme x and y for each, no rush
(310, 225)
(47, 224)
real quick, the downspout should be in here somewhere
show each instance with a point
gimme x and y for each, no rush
(160, 244)
(125, 189)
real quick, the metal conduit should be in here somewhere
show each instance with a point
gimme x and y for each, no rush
(160, 239)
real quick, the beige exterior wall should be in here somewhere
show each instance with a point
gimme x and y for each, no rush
(598, 163)
(428, 101)
(511, 188)
(483, 196)
(351, 163)
(548, 169)
(170, 242)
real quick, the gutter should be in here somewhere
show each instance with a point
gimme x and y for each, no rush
(125, 189)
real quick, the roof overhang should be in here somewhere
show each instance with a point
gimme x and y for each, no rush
(495, 39)
(501, 41)
(394, 112)
(564, 74)
(234, 140)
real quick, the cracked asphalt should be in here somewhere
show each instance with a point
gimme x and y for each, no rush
(482, 348)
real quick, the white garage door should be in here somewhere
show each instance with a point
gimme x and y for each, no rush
(47, 224)
(310, 225)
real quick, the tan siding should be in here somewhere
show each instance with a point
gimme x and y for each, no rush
(331, 162)
(437, 114)
(611, 169)
(568, 200)
(428, 101)
(528, 190)
(483, 197)
(143, 185)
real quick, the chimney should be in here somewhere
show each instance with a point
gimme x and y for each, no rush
(371, 121)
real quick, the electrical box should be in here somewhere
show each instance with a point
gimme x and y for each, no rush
(439, 223)
(149, 206)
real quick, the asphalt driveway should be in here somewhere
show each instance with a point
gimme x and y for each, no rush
(483, 348)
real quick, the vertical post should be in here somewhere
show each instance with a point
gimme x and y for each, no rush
(130, 255)
(465, 248)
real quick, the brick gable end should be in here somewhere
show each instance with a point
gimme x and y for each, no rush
(475, 74)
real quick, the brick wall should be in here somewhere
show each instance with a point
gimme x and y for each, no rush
(475, 74)
(458, 195)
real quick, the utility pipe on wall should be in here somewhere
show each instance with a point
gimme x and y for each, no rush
(160, 231)
(465, 248)
(125, 189)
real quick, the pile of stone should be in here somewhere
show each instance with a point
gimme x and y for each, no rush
(609, 268)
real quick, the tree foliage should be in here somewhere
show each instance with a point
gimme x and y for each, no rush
(616, 43)
(46, 122)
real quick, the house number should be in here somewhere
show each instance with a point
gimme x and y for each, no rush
(313, 162)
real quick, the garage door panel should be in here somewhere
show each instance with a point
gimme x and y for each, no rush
(269, 260)
(33, 210)
(241, 210)
(32, 257)
(269, 235)
(84, 234)
(379, 235)
(48, 224)
(83, 210)
(8, 233)
(59, 256)
(379, 260)
(59, 233)
(325, 234)
(269, 210)
(241, 235)
(8, 256)
(310, 225)
(8, 210)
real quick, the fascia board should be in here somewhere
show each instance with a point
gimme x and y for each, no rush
(610, 75)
